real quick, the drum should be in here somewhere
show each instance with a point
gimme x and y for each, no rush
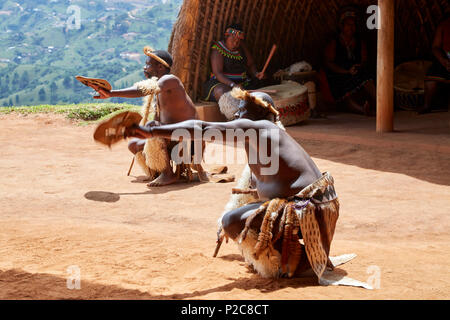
(209, 111)
(301, 76)
(409, 84)
(291, 101)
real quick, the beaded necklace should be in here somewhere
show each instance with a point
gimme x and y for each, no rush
(219, 46)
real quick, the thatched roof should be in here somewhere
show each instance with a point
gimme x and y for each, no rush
(300, 28)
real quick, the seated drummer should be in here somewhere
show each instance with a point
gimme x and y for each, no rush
(231, 65)
(438, 76)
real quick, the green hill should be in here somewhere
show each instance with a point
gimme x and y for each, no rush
(46, 43)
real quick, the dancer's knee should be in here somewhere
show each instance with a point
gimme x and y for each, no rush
(219, 91)
(233, 222)
(135, 146)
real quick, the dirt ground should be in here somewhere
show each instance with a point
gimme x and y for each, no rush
(68, 206)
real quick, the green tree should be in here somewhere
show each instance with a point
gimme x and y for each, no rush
(42, 94)
(53, 93)
(4, 90)
(76, 85)
(36, 40)
(53, 87)
(17, 37)
(15, 80)
(24, 80)
(67, 82)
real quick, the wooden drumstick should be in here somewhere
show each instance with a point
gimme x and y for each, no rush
(131, 166)
(244, 191)
(263, 90)
(219, 243)
(272, 51)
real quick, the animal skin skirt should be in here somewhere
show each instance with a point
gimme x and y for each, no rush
(295, 234)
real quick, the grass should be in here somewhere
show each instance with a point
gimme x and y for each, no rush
(85, 113)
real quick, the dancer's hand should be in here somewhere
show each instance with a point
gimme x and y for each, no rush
(260, 75)
(131, 131)
(354, 69)
(152, 123)
(103, 94)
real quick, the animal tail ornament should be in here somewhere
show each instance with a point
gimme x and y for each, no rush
(238, 93)
(150, 88)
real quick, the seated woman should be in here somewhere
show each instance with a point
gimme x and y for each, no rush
(231, 63)
(345, 62)
(438, 76)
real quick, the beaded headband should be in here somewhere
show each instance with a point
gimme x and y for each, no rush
(348, 14)
(234, 32)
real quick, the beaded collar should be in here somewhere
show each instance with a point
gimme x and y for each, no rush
(219, 46)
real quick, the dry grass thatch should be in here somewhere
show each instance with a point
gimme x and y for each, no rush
(300, 28)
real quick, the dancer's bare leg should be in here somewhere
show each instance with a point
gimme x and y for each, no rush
(353, 106)
(431, 88)
(371, 91)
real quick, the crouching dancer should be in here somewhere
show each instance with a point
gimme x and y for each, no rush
(290, 227)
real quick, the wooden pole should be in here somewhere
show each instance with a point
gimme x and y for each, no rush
(385, 67)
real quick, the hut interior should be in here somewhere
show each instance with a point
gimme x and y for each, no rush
(300, 28)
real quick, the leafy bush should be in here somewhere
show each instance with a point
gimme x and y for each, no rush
(89, 113)
(81, 112)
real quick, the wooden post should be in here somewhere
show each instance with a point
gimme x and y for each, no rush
(183, 41)
(385, 67)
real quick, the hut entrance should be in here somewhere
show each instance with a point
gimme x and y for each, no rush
(299, 28)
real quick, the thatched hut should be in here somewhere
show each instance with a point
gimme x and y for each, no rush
(300, 28)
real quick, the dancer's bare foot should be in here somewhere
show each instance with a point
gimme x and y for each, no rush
(353, 106)
(203, 176)
(164, 179)
(148, 178)
(424, 110)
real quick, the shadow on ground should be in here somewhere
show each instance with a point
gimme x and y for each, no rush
(19, 284)
(423, 165)
(106, 196)
(412, 149)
